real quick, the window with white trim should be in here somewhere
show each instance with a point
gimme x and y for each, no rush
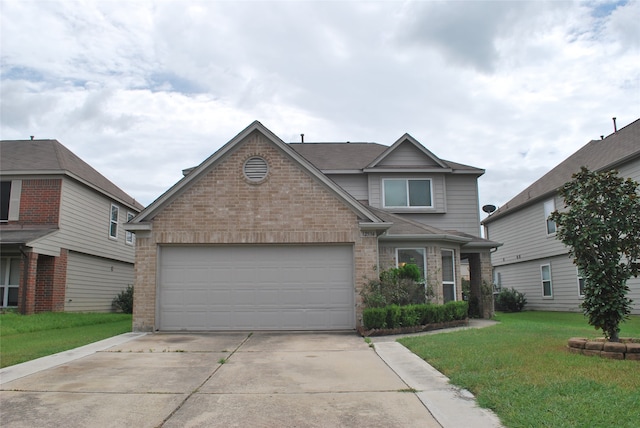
(113, 222)
(582, 281)
(407, 193)
(448, 275)
(9, 281)
(497, 281)
(415, 256)
(128, 237)
(547, 285)
(549, 207)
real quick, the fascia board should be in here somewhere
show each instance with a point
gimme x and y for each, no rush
(426, 237)
(407, 137)
(134, 227)
(409, 170)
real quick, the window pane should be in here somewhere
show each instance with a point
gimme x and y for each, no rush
(5, 193)
(13, 296)
(412, 256)
(14, 272)
(395, 193)
(447, 266)
(546, 285)
(419, 193)
(114, 213)
(447, 291)
(546, 273)
(3, 270)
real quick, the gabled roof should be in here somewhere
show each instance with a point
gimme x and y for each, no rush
(332, 157)
(597, 155)
(48, 157)
(416, 144)
(158, 205)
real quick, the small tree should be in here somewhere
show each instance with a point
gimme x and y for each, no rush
(601, 227)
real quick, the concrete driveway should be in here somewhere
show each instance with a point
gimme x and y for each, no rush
(222, 379)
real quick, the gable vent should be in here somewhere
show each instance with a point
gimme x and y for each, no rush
(255, 168)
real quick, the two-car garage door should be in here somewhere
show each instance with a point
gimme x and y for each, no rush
(270, 287)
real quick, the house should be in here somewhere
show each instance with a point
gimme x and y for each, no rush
(265, 235)
(532, 260)
(62, 241)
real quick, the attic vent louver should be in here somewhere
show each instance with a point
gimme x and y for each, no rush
(255, 168)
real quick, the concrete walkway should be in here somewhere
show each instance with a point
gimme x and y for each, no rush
(236, 379)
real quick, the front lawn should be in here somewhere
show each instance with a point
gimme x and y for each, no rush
(521, 370)
(27, 337)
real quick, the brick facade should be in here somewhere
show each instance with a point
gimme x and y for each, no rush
(224, 207)
(40, 201)
(42, 283)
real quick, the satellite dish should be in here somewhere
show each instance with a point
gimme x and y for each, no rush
(489, 208)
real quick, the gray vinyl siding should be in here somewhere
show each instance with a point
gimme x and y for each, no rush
(407, 154)
(526, 278)
(354, 184)
(631, 170)
(93, 282)
(84, 224)
(524, 235)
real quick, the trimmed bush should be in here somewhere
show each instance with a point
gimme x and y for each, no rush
(375, 317)
(510, 300)
(394, 316)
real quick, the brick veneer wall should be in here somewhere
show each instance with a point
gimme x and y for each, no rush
(223, 207)
(43, 283)
(40, 201)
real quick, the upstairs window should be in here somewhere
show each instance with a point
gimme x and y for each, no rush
(407, 193)
(549, 207)
(5, 197)
(581, 283)
(129, 235)
(113, 222)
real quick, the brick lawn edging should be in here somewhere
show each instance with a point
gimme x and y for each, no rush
(412, 329)
(626, 349)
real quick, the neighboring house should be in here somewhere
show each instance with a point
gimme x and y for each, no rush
(265, 235)
(62, 241)
(532, 260)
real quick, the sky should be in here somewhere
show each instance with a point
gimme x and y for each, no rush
(141, 90)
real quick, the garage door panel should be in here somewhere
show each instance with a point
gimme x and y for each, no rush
(253, 288)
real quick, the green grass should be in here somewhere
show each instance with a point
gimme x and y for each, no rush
(521, 370)
(27, 337)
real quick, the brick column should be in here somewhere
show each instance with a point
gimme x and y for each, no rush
(481, 278)
(27, 289)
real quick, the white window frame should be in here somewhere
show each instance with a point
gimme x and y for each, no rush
(407, 180)
(5, 282)
(453, 267)
(113, 223)
(582, 282)
(550, 225)
(419, 249)
(7, 198)
(550, 281)
(129, 236)
(497, 280)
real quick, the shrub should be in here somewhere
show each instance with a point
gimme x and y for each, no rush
(375, 318)
(124, 300)
(396, 286)
(394, 316)
(510, 300)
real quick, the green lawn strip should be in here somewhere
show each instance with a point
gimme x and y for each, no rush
(521, 369)
(12, 323)
(20, 347)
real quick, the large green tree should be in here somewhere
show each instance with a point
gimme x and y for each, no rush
(601, 226)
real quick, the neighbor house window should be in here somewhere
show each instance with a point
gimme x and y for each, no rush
(547, 286)
(497, 281)
(5, 197)
(550, 207)
(9, 280)
(129, 235)
(581, 283)
(448, 275)
(113, 222)
(407, 193)
(415, 256)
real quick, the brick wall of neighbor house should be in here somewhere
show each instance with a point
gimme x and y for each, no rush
(222, 207)
(40, 201)
(51, 282)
